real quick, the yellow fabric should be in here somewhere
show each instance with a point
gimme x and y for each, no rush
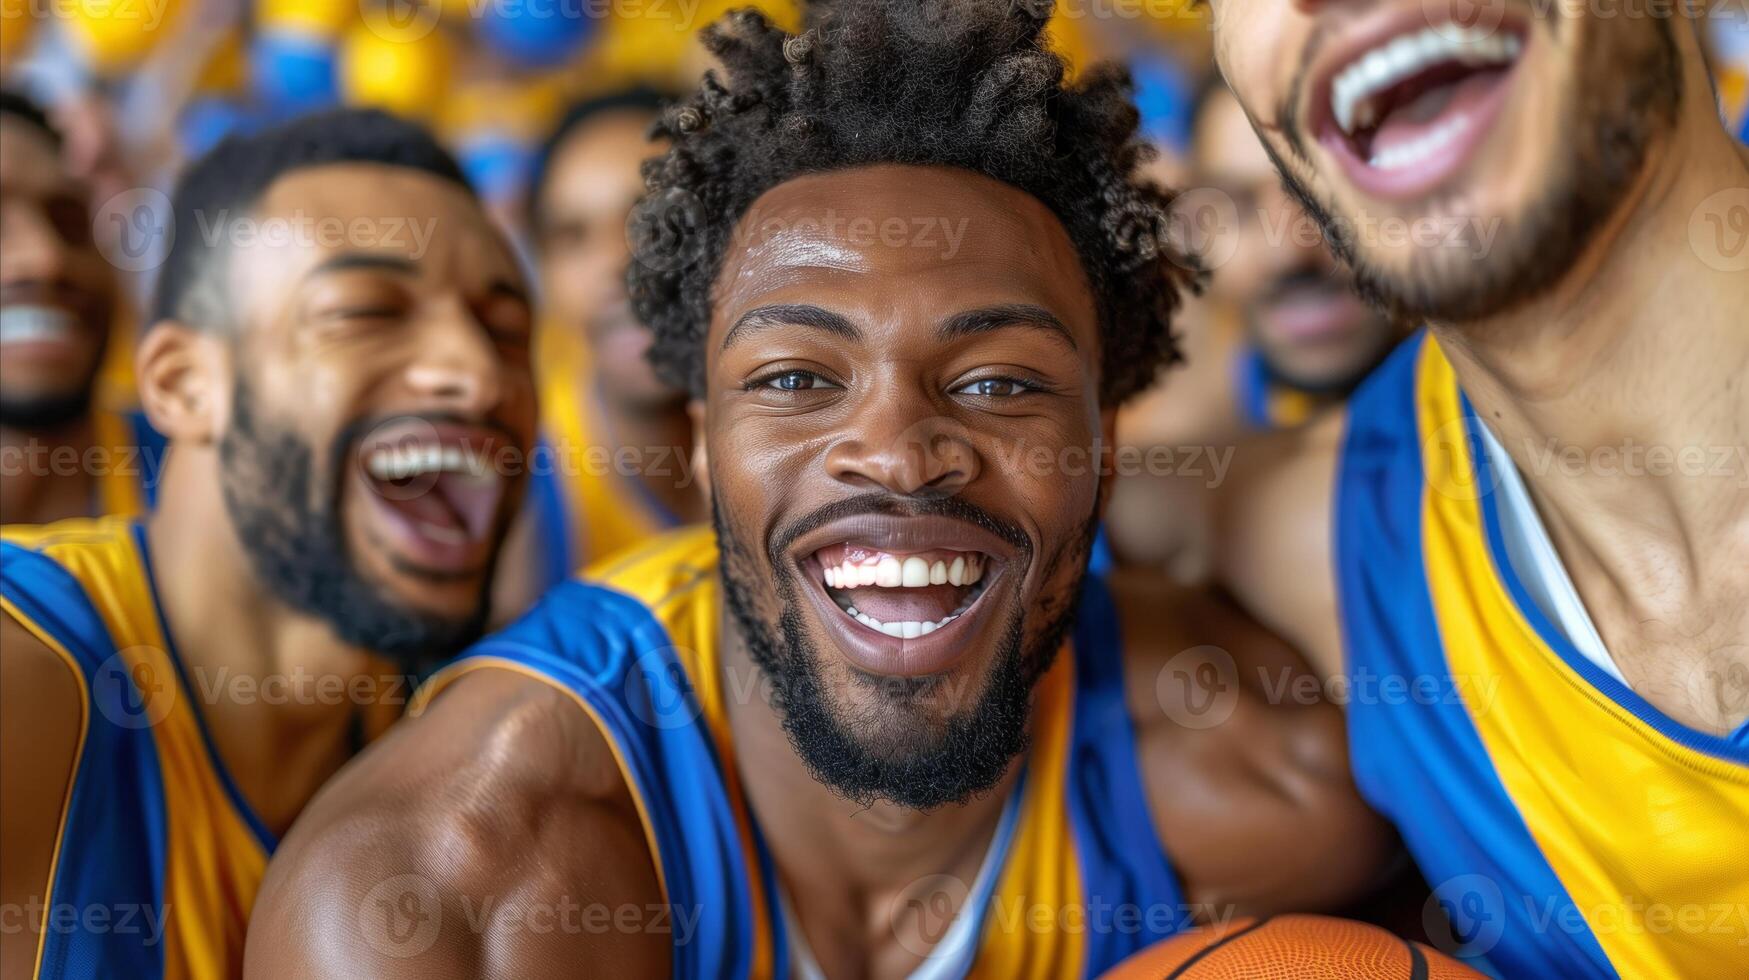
(119, 489)
(1025, 932)
(675, 577)
(213, 861)
(604, 511)
(1649, 837)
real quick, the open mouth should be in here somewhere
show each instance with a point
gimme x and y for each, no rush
(906, 596)
(1406, 110)
(437, 489)
(39, 332)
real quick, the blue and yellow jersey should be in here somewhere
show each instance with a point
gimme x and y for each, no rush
(585, 502)
(154, 836)
(639, 653)
(131, 461)
(1264, 403)
(1569, 827)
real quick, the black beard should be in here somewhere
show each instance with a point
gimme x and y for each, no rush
(911, 761)
(46, 414)
(295, 543)
(1629, 95)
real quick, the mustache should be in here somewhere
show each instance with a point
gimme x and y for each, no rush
(889, 505)
(1306, 277)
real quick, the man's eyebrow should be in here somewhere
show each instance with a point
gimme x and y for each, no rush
(790, 315)
(347, 261)
(983, 320)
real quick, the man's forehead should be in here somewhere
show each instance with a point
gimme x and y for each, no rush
(28, 158)
(347, 191)
(909, 224)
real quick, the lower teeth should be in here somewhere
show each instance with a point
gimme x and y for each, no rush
(911, 630)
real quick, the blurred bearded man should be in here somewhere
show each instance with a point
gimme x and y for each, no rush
(340, 361)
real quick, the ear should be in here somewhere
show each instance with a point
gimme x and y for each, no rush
(183, 379)
(701, 460)
(1107, 457)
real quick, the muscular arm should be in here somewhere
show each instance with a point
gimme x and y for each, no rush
(1245, 764)
(492, 836)
(1272, 534)
(41, 717)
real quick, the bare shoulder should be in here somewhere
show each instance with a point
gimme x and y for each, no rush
(473, 840)
(42, 715)
(1244, 761)
(1272, 526)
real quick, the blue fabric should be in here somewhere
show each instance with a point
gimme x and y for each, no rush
(1252, 388)
(1132, 896)
(103, 870)
(1417, 756)
(608, 649)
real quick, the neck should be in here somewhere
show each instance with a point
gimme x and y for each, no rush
(279, 693)
(47, 476)
(1621, 395)
(850, 871)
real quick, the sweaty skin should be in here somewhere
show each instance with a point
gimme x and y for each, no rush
(504, 788)
(1638, 340)
(329, 329)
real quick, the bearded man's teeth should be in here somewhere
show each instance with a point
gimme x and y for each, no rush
(906, 631)
(911, 573)
(399, 463)
(23, 324)
(443, 535)
(1354, 90)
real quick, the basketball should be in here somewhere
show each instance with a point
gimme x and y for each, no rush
(1304, 947)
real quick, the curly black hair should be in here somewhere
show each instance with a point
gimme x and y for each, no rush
(955, 83)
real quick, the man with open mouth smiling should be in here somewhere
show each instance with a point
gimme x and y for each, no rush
(64, 453)
(1539, 501)
(878, 720)
(340, 397)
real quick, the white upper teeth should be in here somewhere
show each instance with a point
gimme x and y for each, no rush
(911, 573)
(401, 462)
(23, 324)
(1353, 94)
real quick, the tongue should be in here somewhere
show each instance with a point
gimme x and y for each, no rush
(471, 500)
(427, 507)
(1419, 116)
(925, 604)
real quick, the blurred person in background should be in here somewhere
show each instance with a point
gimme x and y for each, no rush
(66, 453)
(1277, 336)
(614, 467)
(341, 361)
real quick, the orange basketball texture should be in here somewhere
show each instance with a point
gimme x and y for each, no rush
(1290, 947)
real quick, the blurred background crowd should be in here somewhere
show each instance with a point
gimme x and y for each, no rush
(137, 88)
